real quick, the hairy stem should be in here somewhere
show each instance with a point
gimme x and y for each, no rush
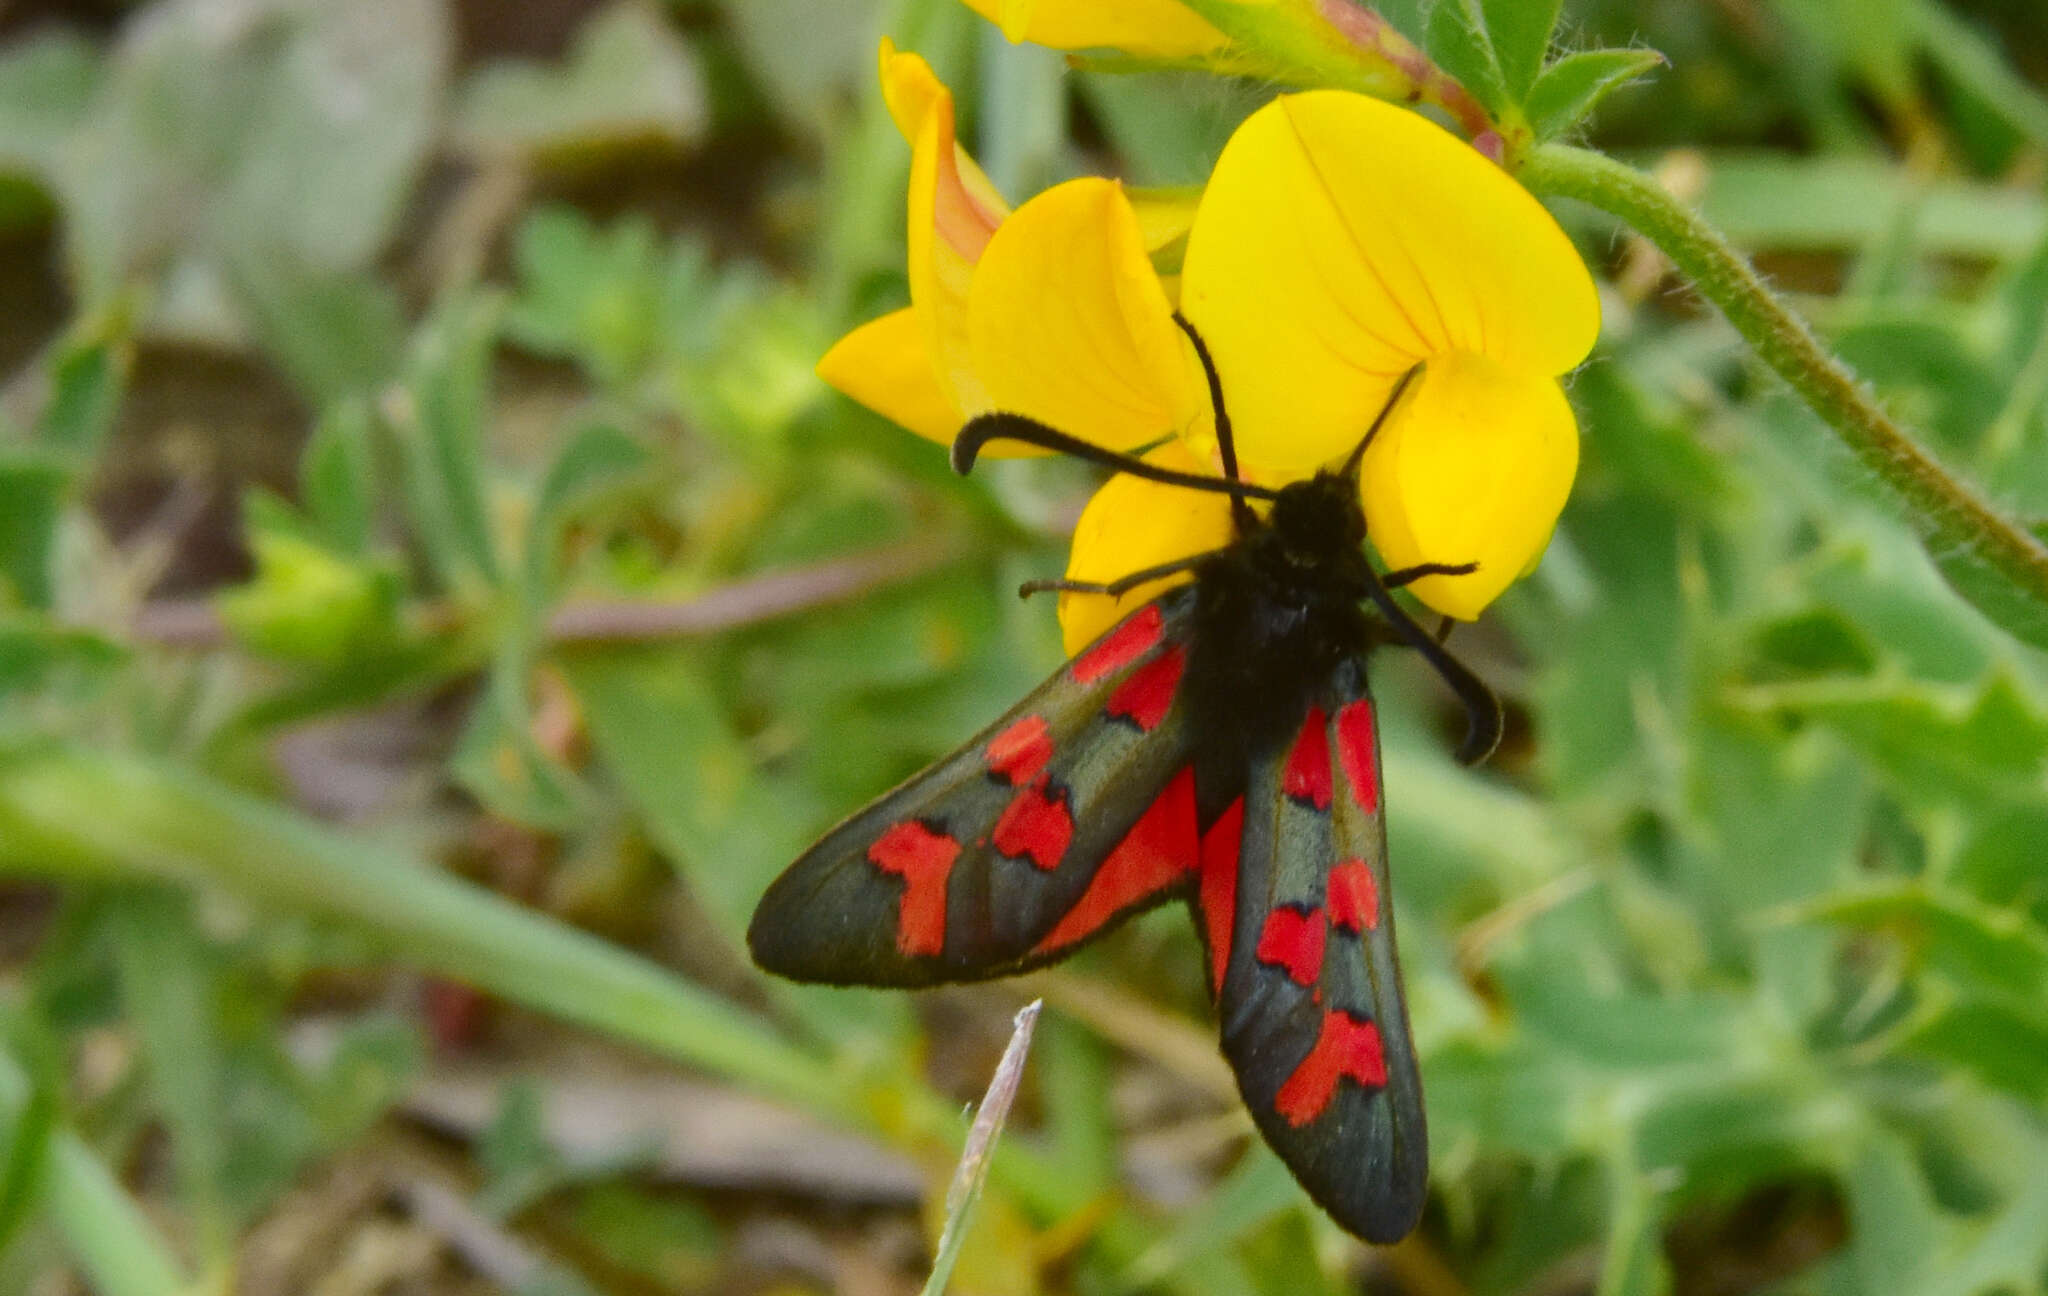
(1950, 515)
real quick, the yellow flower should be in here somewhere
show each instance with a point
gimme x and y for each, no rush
(1051, 311)
(1341, 242)
(1159, 28)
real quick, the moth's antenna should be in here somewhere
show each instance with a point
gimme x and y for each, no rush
(984, 428)
(1379, 420)
(1226, 442)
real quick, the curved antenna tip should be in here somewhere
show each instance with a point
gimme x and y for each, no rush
(966, 447)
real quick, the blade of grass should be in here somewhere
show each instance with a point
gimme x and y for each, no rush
(160, 963)
(104, 1229)
(977, 1156)
(81, 813)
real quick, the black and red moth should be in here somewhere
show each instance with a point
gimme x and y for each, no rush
(1218, 745)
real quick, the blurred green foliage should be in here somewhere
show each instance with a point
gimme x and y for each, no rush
(1731, 975)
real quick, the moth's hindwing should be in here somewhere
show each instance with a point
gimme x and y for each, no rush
(1313, 1018)
(1074, 810)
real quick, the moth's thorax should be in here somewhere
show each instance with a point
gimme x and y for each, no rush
(1277, 611)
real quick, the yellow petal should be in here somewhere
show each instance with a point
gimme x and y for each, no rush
(1165, 215)
(1342, 239)
(913, 92)
(1473, 467)
(1130, 525)
(886, 366)
(1069, 325)
(949, 223)
(1160, 28)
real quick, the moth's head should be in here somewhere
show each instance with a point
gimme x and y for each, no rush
(1318, 519)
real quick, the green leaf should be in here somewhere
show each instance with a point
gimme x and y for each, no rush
(1993, 593)
(87, 382)
(1939, 744)
(1281, 1258)
(440, 431)
(1974, 59)
(372, 1066)
(2000, 858)
(32, 491)
(25, 1146)
(1766, 200)
(106, 1231)
(1255, 1191)
(500, 761)
(1519, 31)
(310, 605)
(1633, 1262)
(1896, 1225)
(1725, 1130)
(336, 478)
(518, 1160)
(597, 460)
(2004, 1048)
(1975, 945)
(339, 334)
(1457, 42)
(668, 1242)
(1819, 641)
(656, 723)
(628, 77)
(1625, 1032)
(35, 651)
(588, 294)
(1594, 721)
(1570, 89)
(166, 987)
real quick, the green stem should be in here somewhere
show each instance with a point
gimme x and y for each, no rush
(1951, 516)
(103, 1228)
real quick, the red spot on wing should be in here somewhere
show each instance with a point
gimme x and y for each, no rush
(923, 859)
(1159, 850)
(1347, 1046)
(1293, 940)
(1132, 639)
(1217, 897)
(1036, 824)
(1354, 897)
(1360, 753)
(1307, 777)
(1147, 695)
(1019, 752)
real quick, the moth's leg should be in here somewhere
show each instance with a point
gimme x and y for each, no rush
(1482, 709)
(1396, 579)
(1122, 584)
(1405, 575)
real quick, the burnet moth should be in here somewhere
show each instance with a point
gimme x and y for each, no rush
(1218, 745)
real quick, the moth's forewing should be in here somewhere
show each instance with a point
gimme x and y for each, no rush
(1074, 810)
